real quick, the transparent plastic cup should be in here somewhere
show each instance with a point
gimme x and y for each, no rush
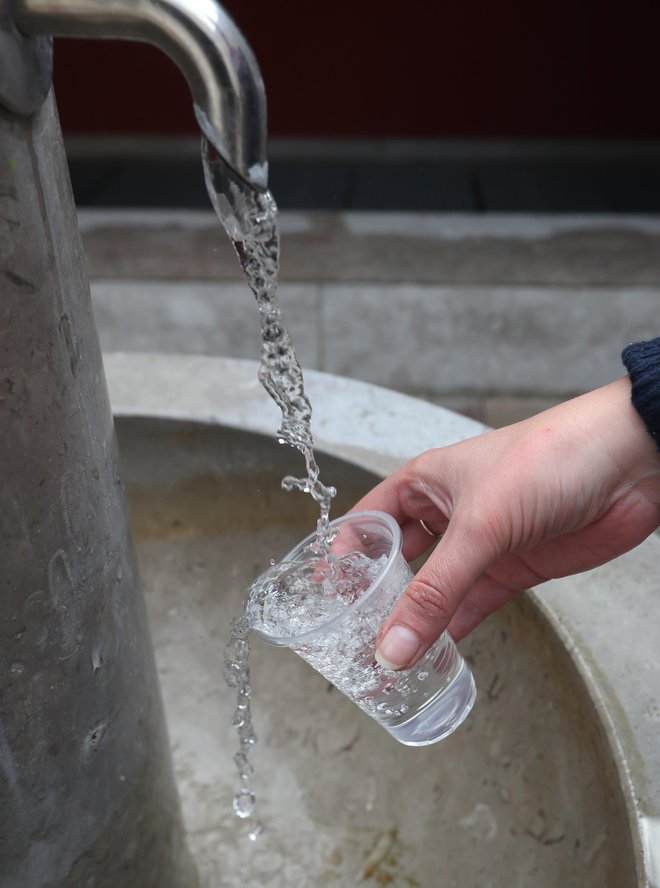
(418, 706)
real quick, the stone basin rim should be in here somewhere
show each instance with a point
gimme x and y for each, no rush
(378, 429)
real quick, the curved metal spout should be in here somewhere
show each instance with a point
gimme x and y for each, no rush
(220, 67)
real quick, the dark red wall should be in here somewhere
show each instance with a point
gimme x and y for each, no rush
(424, 68)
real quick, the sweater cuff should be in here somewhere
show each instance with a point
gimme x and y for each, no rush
(642, 361)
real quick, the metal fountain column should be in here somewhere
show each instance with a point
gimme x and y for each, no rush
(87, 793)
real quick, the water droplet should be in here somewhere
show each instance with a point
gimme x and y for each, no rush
(243, 803)
(422, 676)
(17, 668)
(245, 769)
(245, 729)
(255, 832)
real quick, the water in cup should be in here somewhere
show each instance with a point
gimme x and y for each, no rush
(329, 610)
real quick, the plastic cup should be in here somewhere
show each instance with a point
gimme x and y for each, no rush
(418, 706)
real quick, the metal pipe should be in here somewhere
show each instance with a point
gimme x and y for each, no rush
(26, 65)
(220, 67)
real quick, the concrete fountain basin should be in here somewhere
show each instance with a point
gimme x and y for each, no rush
(553, 780)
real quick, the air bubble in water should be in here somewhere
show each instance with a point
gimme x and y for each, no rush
(239, 627)
(237, 649)
(243, 803)
(233, 674)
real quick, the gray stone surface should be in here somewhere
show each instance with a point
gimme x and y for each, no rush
(495, 315)
(500, 342)
(604, 623)
(501, 410)
(494, 410)
(386, 248)
(518, 339)
(199, 318)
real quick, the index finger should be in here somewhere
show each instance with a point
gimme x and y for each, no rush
(384, 497)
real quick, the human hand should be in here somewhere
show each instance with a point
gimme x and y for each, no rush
(562, 492)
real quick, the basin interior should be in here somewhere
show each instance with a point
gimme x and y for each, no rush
(524, 794)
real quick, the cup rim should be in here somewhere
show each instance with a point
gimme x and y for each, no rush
(384, 518)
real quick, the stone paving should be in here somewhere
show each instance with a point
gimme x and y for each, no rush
(495, 316)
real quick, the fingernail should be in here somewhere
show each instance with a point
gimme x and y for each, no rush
(398, 648)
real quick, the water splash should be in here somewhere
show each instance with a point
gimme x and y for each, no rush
(250, 219)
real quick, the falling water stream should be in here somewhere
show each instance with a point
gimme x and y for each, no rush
(250, 219)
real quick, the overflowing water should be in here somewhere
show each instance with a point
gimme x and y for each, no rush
(237, 675)
(298, 603)
(250, 220)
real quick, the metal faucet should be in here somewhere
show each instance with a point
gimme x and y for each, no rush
(221, 70)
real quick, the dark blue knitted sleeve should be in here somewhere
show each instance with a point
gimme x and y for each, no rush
(642, 361)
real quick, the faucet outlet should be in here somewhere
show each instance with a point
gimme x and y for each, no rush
(199, 36)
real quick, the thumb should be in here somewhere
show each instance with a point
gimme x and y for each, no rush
(428, 604)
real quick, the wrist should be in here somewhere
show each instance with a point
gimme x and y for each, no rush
(642, 361)
(633, 447)
(612, 438)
